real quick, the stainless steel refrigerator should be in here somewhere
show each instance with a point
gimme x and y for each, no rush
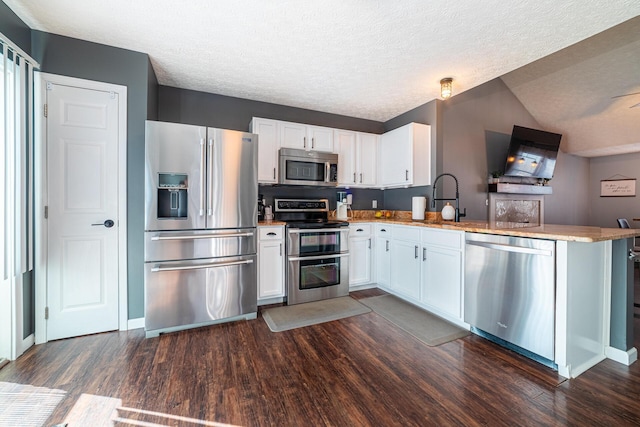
(201, 188)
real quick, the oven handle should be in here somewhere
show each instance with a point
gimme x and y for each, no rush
(200, 266)
(316, 257)
(316, 230)
(202, 236)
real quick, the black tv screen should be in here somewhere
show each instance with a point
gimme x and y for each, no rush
(532, 153)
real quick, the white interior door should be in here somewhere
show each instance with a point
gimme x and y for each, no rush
(82, 187)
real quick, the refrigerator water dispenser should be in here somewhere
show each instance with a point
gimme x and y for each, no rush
(172, 196)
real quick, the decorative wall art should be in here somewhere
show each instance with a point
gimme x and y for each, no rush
(618, 187)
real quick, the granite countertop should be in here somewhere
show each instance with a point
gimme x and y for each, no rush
(574, 233)
(266, 223)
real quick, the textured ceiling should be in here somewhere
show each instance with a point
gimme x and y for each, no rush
(577, 92)
(371, 59)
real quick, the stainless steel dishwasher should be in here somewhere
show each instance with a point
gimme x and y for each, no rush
(510, 290)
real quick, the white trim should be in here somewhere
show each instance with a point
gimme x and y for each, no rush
(40, 152)
(135, 323)
(625, 357)
(5, 40)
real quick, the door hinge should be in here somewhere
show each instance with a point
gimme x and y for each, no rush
(46, 212)
(49, 86)
(46, 313)
(112, 94)
(46, 110)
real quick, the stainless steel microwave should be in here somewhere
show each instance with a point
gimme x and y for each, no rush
(301, 167)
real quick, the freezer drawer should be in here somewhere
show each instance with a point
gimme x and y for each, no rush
(182, 294)
(510, 290)
(195, 244)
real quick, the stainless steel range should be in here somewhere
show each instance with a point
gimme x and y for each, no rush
(317, 250)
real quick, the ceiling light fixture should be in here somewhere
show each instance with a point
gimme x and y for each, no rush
(446, 87)
(521, 160)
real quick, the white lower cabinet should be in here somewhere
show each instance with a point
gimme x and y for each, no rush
(382, 245)
(360, 254)
(405, 262)
(270, 263)
(441, 283)
(422, 265)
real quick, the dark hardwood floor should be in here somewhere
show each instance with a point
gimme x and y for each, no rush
(358, 371)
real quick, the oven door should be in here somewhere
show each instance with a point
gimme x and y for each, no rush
(317, 241)
(313, 278)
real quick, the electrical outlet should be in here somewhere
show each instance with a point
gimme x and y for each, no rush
(374, 204)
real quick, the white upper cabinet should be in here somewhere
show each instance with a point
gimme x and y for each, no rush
(321, 138)
(306, 137)
(268, 145)
(357, 158)
(405, 156)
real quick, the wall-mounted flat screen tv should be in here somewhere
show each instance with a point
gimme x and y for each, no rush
(532, 153)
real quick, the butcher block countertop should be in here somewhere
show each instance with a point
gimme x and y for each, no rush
(574, 233)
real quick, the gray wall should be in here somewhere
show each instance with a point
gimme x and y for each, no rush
(77, 58)
(198, 108)
(605, 210)
(476, 125)
(13, 27)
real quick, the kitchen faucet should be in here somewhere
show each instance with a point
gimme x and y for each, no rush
(457, 199)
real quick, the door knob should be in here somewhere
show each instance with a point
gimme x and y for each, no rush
(108, 223)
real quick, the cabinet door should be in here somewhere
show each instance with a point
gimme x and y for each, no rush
(359, 260)
(270, 269)
(367, 159)
(293, 135)
(345, 146)
(319, 139)
(267, 131)
(396, 158)
(442, 279)
(405, 268)
(383, 261)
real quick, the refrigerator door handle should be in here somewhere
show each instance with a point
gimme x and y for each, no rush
(200, 236)
(160, 268)
(203, 150)
(210, 178)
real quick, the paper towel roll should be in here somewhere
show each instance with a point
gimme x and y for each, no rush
(418, 206)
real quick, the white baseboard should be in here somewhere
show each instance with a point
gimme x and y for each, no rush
(135, 323)
(621, 356)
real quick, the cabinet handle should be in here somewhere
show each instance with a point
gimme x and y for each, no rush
(313, 143)
(354, 177)
(369, 243)
(424, 254)
(360, 178)
(406, 174)
(415, 254)
(271, 233)
(387, 246)
(280, 249)
(274, 173)
(383, 230)
(304, 142)
(359, 230)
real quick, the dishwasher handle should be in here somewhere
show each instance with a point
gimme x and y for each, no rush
(511, 248)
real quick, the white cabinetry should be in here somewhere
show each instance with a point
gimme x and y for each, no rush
(405, 262)
(405, 156)
(306, 137)
(383, 254)
(357, 153)
(360, 252)
(442, 271)
(268, 145)
(270, 264)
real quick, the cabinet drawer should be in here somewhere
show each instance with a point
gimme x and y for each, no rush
(356, 230)
(406, 233)
(270, 233)
(443, 238)
(384, 230)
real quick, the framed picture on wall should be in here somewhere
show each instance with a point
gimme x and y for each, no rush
(618, 188)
